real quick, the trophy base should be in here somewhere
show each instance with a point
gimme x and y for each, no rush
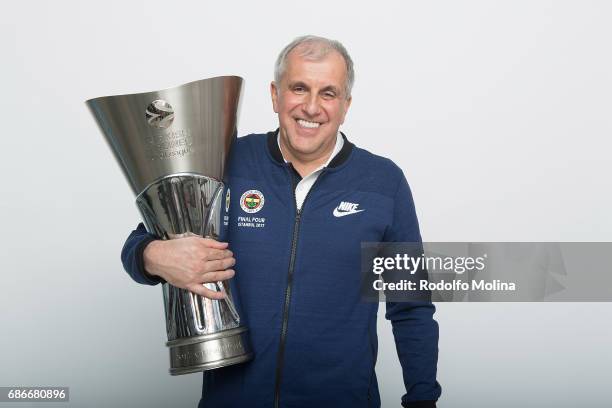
(209, 351)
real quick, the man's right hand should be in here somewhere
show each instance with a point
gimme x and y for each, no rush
(189, 262)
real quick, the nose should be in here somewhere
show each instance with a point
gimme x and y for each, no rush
(311, 105)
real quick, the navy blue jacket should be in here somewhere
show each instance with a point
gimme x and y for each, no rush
(298, 282)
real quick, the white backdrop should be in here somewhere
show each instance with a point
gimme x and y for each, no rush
(498, 112)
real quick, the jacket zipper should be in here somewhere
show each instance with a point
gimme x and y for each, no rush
(283, 337)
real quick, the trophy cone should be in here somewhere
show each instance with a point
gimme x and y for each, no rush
(172, 146)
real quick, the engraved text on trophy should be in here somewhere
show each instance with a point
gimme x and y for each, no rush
(169, 144)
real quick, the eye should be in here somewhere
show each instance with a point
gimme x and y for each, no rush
(299, 89)
(329, 95)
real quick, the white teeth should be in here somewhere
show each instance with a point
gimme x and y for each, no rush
(306, 124)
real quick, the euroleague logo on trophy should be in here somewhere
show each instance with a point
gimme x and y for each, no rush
(252, 201)
(159, 114)
(166, 143)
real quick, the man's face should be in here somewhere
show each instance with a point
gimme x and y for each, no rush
(311, 104)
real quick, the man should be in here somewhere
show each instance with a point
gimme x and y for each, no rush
(316, 197)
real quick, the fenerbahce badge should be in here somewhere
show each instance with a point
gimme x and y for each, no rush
(252, 201)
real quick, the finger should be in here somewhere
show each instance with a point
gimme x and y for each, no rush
(219, 264)
(207, 293)
(211, 243)
(211, 277)
(228, 263)
(215, 254)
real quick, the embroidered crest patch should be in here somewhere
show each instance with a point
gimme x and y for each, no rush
(252, 201)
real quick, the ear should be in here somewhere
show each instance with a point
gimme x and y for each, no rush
(347, 105)
(274, 95)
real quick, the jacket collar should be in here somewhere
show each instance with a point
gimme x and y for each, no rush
(340, 158)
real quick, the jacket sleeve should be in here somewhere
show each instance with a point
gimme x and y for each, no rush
(414, 329)
(131, 256)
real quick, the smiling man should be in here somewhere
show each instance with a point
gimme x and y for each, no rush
(311, 95)
(302, 200)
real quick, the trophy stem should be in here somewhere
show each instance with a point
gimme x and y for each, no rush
(203, 333)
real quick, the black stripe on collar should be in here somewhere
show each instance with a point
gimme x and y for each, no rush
(340, 158)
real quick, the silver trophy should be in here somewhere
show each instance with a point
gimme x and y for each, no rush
(172, 146)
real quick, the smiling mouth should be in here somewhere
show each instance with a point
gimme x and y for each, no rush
(306, 124)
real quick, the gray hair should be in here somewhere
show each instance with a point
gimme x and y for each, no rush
(315, 48)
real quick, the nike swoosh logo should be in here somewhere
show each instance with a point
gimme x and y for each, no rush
(338, 213)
